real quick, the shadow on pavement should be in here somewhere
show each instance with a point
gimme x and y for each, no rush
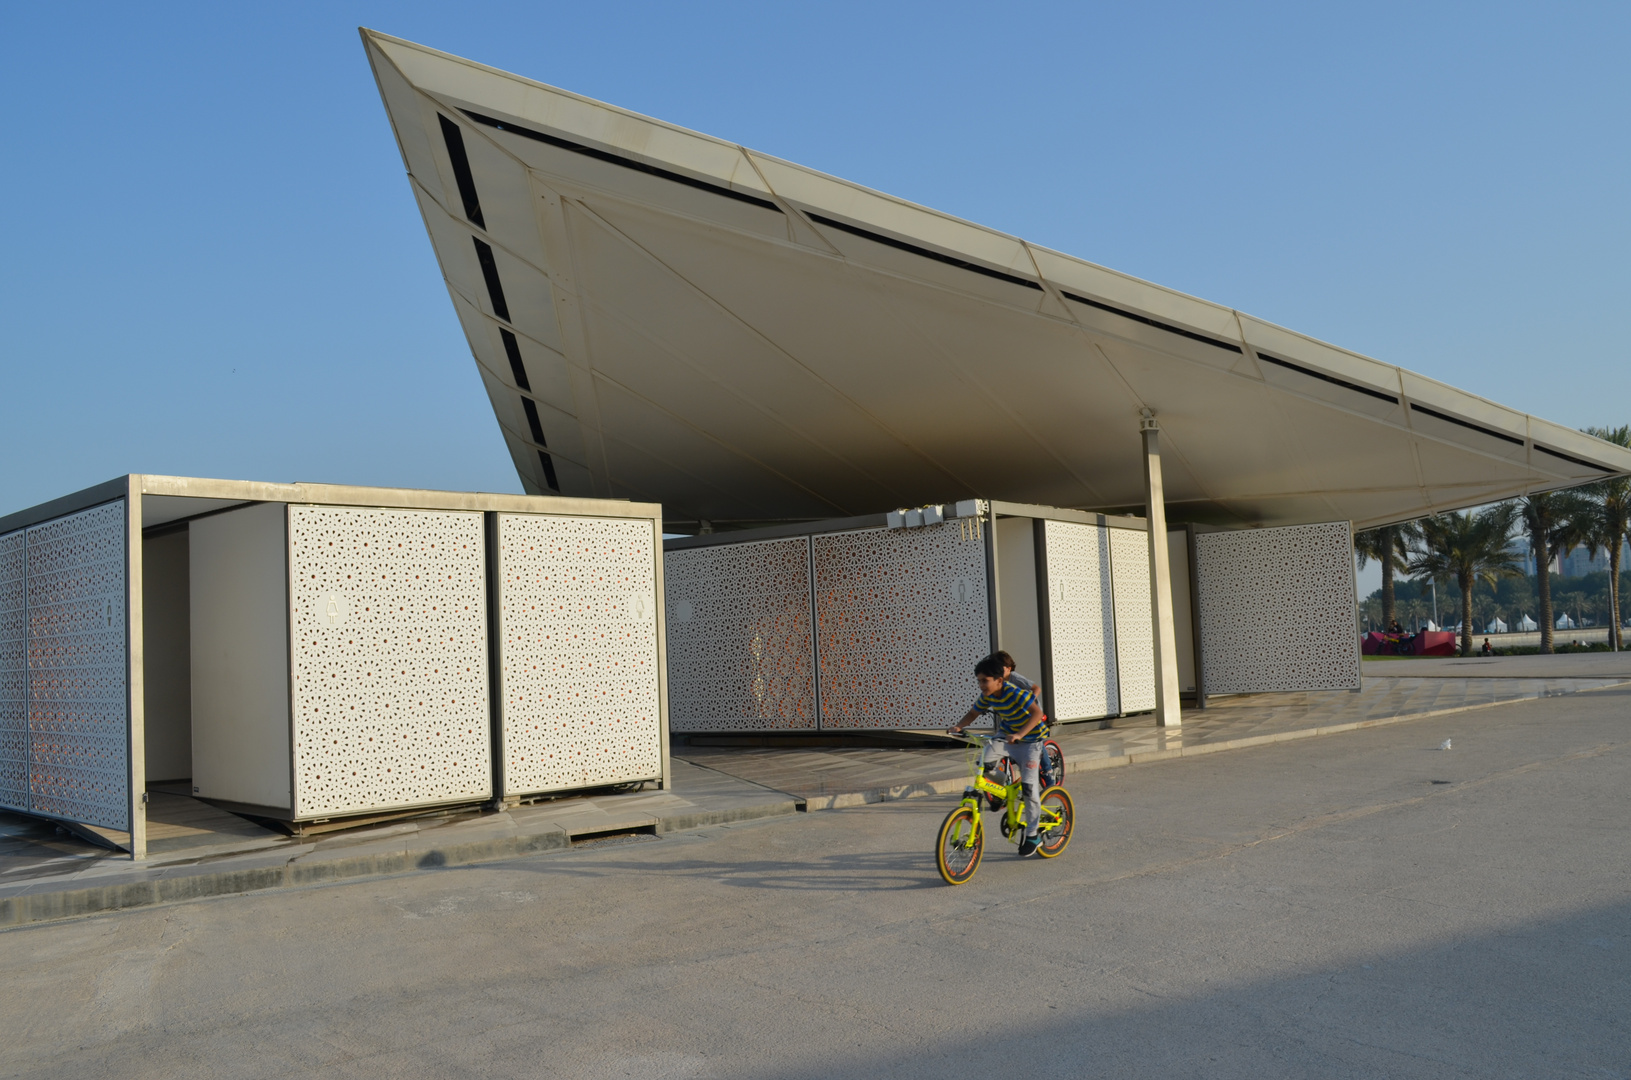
(1546, 998)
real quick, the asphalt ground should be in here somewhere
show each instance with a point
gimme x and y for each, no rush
(1359, 905)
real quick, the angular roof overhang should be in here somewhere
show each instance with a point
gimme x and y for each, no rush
(666, 316)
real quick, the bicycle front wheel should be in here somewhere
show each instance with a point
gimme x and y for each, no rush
(1058, 818)
(962, 841)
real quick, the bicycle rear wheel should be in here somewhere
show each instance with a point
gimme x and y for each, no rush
(962, 840)
(1053, 765)
(1055, 836)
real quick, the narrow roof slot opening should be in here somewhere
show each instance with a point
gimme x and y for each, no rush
(1147, 321)
(512, 349)
(549, 471)
(454, 138)
(617, 159)
(489, 270)
(1323, 377)
(915, 249)
(537, 429)
(1481, 429)
(1572, 459)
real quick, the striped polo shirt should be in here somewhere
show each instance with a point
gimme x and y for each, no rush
(1011, 707)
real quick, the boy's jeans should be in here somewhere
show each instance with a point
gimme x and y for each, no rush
(1027, 757)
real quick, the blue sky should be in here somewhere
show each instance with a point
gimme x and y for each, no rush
(213, 266)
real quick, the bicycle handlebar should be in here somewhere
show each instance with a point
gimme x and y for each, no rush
(966, 737)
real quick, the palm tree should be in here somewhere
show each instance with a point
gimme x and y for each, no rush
(1468, 547)
(1553, 522)
(1390, 546)
(1610, 524)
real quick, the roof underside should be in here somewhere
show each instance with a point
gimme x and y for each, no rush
(665, 316)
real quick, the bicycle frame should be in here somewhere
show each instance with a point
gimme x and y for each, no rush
(1013, 796)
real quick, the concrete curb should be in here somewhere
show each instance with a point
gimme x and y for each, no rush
(923, 788)
(166, 885)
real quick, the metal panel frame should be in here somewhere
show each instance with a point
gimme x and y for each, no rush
(387, 705)
(135, 674)
(1044, 616)
(824, 648)
(1106, 626)
(504, 786)
(19, 676)
(133, 822)
(212, 493)
(1128, 608)
(1281, 660)
(1198, 639)
(726, 650)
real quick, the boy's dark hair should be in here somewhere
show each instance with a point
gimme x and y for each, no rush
(1002, 657)
(990, 667)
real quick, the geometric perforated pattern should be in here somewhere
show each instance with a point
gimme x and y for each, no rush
(902, 618)
(78, 722)
(13, 675)
(1277, 609)
(1081, 620)
(1135, 632)
(579, 669)
(741, 654)
(388, 648)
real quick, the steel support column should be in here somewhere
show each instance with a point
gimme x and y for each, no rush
(1167, 711)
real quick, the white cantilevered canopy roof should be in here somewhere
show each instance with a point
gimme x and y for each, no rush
(667, 316)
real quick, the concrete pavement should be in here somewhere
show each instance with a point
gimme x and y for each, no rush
(45, 876)
(1359, 906)
(198, 850)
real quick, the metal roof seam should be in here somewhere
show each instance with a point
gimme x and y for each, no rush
(561, 143)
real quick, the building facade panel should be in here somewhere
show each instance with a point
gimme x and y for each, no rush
(902, 616)
(580, 685)
(1277, 609)
(741, 647)
(388, 635)
(1135, 630)
(1081, 614)
(78, 705)
(13, 675)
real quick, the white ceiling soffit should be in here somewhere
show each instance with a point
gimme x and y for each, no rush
(665, 316)
(163, 509)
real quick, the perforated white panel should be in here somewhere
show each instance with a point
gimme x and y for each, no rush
(1277, 609)
(578, 666)
(902, 618)
(1135, 630)
(388, 632)
(1081, 617)
(13, 675)
(740, 649)
(78, 716)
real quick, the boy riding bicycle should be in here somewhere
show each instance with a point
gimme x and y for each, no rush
(1019, 719)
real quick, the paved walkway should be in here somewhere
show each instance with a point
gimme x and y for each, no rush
(197, 850)
(833, 778)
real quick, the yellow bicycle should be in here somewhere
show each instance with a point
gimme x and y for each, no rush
(962, 835)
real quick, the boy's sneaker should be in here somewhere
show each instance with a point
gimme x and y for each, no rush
(1029, 845)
